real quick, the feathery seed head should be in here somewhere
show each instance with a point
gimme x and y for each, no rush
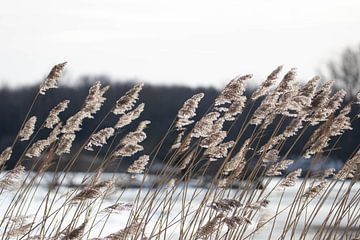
(28, 129)
(275, 169)
(139, 165)
(290, 179)
(126, 102)
(53, 117)
(99, 139)
(65, 143)
(5, 155)
(263, 89)
(39, 146)
(53, 78)
(188, 111)
(12, 179)
(233, 90)
(127, 118)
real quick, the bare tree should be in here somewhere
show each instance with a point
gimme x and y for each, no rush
(346, 72)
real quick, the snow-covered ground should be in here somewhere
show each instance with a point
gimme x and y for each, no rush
(118, 221)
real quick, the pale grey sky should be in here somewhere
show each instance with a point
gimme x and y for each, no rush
(160, 41)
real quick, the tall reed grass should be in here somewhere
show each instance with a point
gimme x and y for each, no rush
(231, 206)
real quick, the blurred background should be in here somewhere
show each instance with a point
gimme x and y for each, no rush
(177, 49)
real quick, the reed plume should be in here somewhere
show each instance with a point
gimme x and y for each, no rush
(12, 179)
(5, 155)
(188, 111)
(28, 129)
(264, 87)
(99, 139)
(126, 102)
(53, 78)
(127, 118)
(53, 117)
(138, 165)
(39, 146)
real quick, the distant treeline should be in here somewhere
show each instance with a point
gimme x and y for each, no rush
(161, 106)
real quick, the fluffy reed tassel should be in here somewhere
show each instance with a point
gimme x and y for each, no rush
(263, 89)
(219, 151)
(210, 227)
(127, 150)
(309, 89)
(127, 118)
(271, 105)
(316, 190)
(65, 143)
(20, 220)
(128, 232)
(238, 161)
(289, 101)
(118, 208)
(104, 186)
(92, 104)
(271, 156)
(53, 78)
(290, 179)
(5, 155)
(319, 103)
(76, 233)
(291, 130)
(28, 129)
(12, 179)
(275, 169)
(235, 221)
(188, 111)
(235, 108)
(332, 104)
(137, 136)
(138, 165)
(216, 136)
(265, 109)
(350, 167)
(335, 101)
(87, 194)
(99, 139)
(233, 90)
(53, 117)
(189, 157)
(333, 127)
(357, 98)
(233, 94)
(39, 146)
(178, 140)
(73, 123)
(204, 126)
(129, 145)
(225, 205)
(126, 102)
(341, 122)
(263, 203)
(94, 99)
(19, 231)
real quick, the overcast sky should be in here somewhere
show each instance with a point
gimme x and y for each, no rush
(165, 42)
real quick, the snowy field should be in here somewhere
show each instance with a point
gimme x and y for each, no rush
(118, 221)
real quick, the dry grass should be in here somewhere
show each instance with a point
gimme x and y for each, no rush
(218, 211)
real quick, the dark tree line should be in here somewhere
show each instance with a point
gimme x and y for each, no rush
(161, 106)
